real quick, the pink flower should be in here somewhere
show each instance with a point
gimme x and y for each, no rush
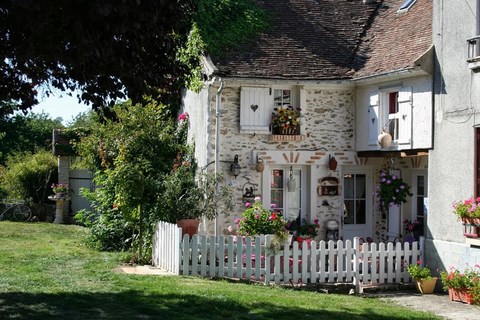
(248, 204)
(230, 228)
(257, 199)
(237, 221)
(273, 205)
(315, 221)
(183, 116)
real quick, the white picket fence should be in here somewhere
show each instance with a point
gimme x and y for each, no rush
(249, 259)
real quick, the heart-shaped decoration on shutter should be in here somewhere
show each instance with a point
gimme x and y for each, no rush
(254, 107)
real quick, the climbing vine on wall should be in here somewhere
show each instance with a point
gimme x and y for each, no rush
(219, 25)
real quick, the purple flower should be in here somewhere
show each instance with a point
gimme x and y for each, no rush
(389, 181)
(394, 177)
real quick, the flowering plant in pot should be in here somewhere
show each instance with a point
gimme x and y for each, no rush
(257, 220)
(305, 230)
(286, 119)
(462, 286)
(391, 191)
(60, 189)
(468, 208)
(422, 275)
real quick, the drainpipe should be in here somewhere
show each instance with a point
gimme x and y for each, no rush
(218, 98)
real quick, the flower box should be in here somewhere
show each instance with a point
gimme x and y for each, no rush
(286, 130)
(461, 295)
(470, 228)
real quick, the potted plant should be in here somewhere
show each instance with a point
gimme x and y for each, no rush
(422, 276)
(257, 220)
(286, 120)
(60, 189)
(414, 227)
(187, 197)
(304, 231)
(392, 191)
(462, 286)
(468, 211)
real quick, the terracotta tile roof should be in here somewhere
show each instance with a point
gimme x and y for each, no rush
(330, 39)
(394, 40)
(308, 39)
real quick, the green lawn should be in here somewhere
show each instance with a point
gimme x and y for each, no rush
(47, 273)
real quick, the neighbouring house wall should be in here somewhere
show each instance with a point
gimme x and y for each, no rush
(421, 136)
(196, 105)
(451, 162)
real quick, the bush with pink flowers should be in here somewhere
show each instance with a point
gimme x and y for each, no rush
(257, 220)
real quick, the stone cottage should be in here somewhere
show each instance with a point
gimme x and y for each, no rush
(354, 69)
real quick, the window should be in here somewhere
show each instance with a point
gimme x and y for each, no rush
(289, 201)
(257, 104)
(355, 200)
(391, 109)
(421, 197)
(477, 162)
(407, 4)
(282, 98)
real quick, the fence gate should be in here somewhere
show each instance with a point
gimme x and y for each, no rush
(79, 179)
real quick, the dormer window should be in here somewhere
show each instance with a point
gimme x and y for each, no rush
(406, 5)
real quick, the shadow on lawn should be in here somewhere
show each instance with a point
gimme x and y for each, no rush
(137, 305)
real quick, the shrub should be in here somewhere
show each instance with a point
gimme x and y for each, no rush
(29, 177)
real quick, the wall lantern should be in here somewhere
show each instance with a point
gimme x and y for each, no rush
(235, 167)
(291, 184)
(259, 167)
(332, 163)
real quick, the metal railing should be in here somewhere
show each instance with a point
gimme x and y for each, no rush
(473, 48)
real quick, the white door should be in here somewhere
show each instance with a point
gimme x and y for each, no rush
(357, 199)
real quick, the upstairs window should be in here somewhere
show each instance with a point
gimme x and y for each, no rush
(391, 110)
(257, 105)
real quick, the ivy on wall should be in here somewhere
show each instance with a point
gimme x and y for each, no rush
(219, 26)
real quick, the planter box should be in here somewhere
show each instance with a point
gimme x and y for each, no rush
(461, 295)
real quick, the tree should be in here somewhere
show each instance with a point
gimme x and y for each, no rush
(20, 134)
(106, 49)
(130, 158)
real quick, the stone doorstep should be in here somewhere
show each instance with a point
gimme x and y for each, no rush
(143, 270)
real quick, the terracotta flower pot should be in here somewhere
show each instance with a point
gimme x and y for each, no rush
(189, 226)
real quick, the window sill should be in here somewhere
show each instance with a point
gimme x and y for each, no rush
(474, 63)
(286, 137)
(472, 241)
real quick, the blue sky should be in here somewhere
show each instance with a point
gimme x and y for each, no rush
(60, 105)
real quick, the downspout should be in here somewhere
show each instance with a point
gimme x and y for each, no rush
(218, 98)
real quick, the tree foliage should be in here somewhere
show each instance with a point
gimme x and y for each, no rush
(106, 49)
(29, 176)
(20, 134)
(130, 158)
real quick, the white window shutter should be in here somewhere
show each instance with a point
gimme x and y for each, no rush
(256, 105)
(373, 119)
(405, 101)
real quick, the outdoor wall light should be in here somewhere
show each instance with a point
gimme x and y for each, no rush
(235, 167)
(259, 167)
